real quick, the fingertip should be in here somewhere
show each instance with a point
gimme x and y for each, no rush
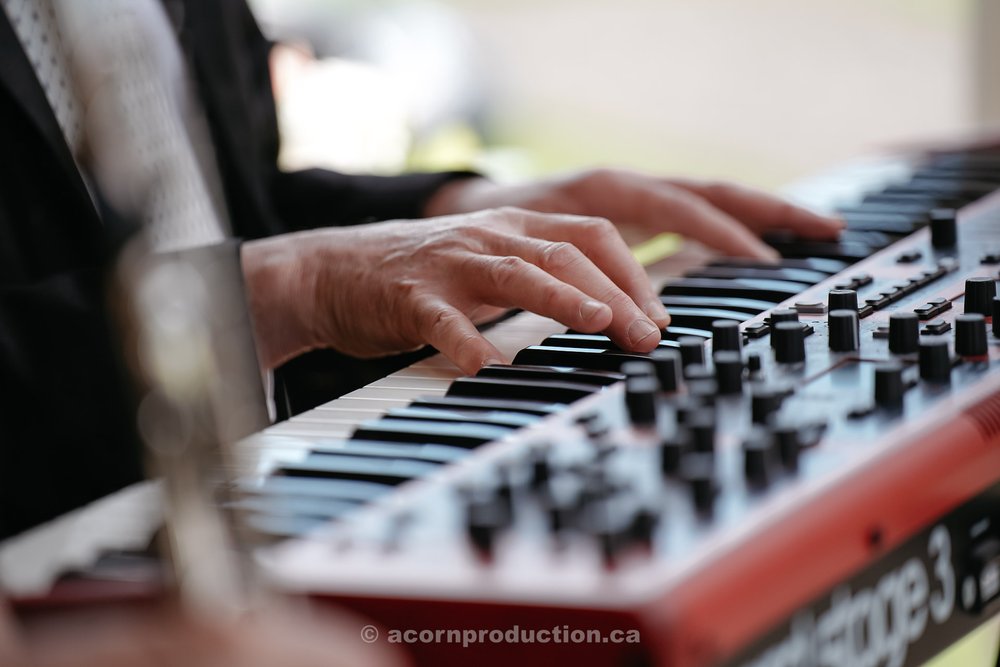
(657, 313)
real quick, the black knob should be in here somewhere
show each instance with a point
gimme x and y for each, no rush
(842, 299)
(725, 336)
(843, 330)
(979, 293)
(904, 332)
(728, 372)
(684, 407)
(756, 458)
(668, 369)
(970, 335)
(935, 360)
(996, 317)
(698, 470)
(754, 363)
(541, 469)
(640, 399)
(671, 450)
(764, 402)
(789, 343)
(782, 315)
(889, 387)
(692, 350)
(701, 426)
(637, 368)
(485, 518)
(701, 383)
(789, 443)
(944, 230)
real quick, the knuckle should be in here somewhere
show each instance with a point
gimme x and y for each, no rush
(504, 270)
(559, 256)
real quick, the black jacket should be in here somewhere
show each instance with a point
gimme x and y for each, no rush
(66, 429)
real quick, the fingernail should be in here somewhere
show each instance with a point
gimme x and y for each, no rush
(640, 330)
(591, 309)
(492, 361)
(655, 311)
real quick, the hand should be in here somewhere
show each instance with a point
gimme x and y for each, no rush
(150, 639)
(376, 289)
(723, 216)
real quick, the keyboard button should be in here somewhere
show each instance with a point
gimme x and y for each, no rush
(774, 291)
(773, 273)
(578, 357)
(487, 417)
(590, 341)
(555, 373)
(381, 449)
(827, 266)
(382, 471)
(427, 432)
(535, 408)
(748, 306)
(532, 390)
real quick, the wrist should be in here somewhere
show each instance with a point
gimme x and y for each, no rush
(277, 285)
(459, 196)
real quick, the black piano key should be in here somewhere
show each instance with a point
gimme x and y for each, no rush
(673, 334)
(532, 390)
(333, 489)
(870, 238)
(356, 468)
(747, 306)
(321, 508)
(823, 265)
(702, 318)
(774, 291)
(887, 223)
(535, 408)
(281, 527)
(846, 252)
(770, 273)
(382, 449)
(924, 199)
(578, 357)
(426, 432)
(488, 417)
(573, 339)
(962, 161)
(958, 176)
(875, 207)
(555, 373)
(959, 187)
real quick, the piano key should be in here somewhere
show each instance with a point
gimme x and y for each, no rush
(368, 448)
(308, 487)
(673, 334)
(427, 432)
(748, 306)
(281, 527)
(321, 508)
(870, 238)
(772, 273)
(887, 223)
(911, 209)
(488, 417)
(951, 186)
(533, 390)
(558, 374)
(578, 357)
(848, 252)
(599, 341)
(775, 291)
(823, 265)
(702, 318)
(354, 468)
(928, 201)
(536, 408)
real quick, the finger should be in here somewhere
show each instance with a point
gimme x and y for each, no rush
(513, 282)
(601, 243)
(762, 211)
(456, 337)
(690, 215)
(629, 326)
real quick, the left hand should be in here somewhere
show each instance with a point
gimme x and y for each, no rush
(723, 216)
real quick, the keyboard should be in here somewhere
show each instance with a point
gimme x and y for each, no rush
(742, 496)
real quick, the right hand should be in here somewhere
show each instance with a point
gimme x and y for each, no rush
(377, 289)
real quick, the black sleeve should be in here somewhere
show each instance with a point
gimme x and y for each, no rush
(66, 430)
(318, 197)
(314, 197)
